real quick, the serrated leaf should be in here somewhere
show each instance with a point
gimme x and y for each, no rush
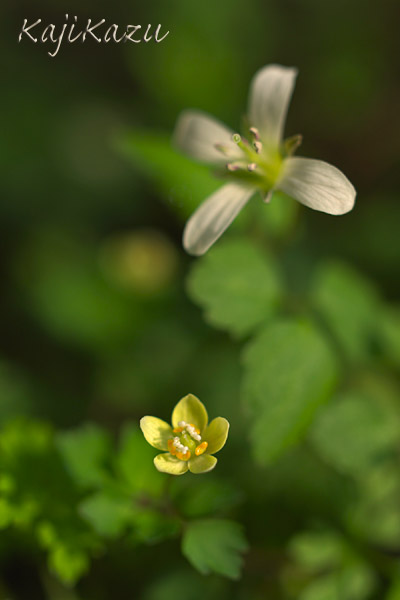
(349, 304)
(237, 285)
(289, 372)
(355, 431)
(215, 546)
(85, 452)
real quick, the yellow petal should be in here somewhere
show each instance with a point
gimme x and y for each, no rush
(216, 434)
(156, 432)
(190, 410)
(202, 464)
(170, 464)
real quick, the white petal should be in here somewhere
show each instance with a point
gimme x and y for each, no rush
(318, 185)
(197, 135)
(270, 93)
(212, 218)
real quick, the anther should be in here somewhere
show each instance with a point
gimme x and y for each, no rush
(257, 146)
(232, 167)
(184, 455)
(171, 447)
(197, 430)
(201, 448)
(251, 167)
(255, 133)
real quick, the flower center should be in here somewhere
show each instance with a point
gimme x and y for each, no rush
(260, 164)
(186, 441)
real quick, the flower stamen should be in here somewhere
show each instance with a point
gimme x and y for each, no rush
(191, 429)
(242, 143)
(201, 448)
(251, 167)
(255, 133)
(257, 146)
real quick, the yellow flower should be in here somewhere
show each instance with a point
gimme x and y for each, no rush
(190, 442)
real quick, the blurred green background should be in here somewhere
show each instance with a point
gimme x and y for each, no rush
(96, 324)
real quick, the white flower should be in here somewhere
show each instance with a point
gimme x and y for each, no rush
(264, 163)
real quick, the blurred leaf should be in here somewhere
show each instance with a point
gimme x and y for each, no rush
(68, 564)
(355, 582)
(215, 545)
(16, 392)
(375, 516)
(66, 291)
(390, 333)
(317, 550)
(134, 463)
(394, 592)
(289, 372)
(237, 285)
(85, 452)
(305, 486)
(356, 430)
(155, 524)
(276, 219)
(37, 480)
(349, 304)
(205, 497)
(6, 513)
(180, 180)
(108, 513)
(176, 585)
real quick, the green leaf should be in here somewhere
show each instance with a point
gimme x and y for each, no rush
(354, 582)
(289, 373)
(134, 463)
(317, 550)
(68, 564)
(69, 295)
(152, 526)
(349, 304)
(215, 545)
(275, 219)
(175, 584)
(198, 498)
(108, 513)
(390, 333)
(237, 286)
(355, 431)
(85, 452)
(185, 183)
(394, 592)
(376, 515)
(6, 513)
